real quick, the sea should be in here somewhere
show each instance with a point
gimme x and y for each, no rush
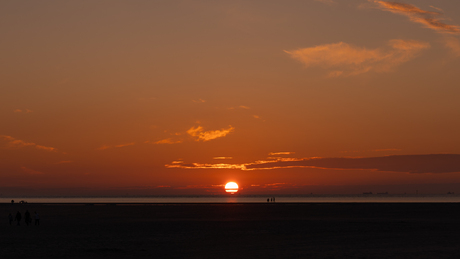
(363, 198)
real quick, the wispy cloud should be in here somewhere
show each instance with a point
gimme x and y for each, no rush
(167, 141)
(201, 135)
(429, 19)
(435, 163)
(22, 111)
(280, 153)
(115, 146)
(10, 142)
(343, 59)
(206, 166)
(222, 157)
(199, 101)
(240, 107)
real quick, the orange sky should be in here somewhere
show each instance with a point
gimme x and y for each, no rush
(180, 97)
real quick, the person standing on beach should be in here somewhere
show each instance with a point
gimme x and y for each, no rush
(10, 218)
(27, 217)
(18, 218)
(37, 219)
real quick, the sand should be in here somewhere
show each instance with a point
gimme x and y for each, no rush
(266, 230)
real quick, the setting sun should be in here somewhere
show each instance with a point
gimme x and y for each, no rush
(231, 187)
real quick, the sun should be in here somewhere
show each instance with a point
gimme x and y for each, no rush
(231, 187)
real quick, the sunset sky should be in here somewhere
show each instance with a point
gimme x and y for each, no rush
(181, 97)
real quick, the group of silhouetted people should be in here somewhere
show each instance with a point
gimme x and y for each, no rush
(272, 199)
(27, 218)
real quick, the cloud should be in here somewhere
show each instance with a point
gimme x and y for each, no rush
(206, 166)
(428, 19)
(10, 142)
(240, 107)
(167, 141)
(20, 111)
(199, 101)
(454, 45)
(433, 163)
(347, 60)
(202, 135)
(434, 7)
(436, 163)
(222, 157)
(280, 153)
(116, 146)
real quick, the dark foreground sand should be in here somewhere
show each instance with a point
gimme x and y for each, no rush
(234, 231)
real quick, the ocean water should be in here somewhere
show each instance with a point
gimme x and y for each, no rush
(365, 198)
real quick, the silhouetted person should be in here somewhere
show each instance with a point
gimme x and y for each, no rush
(18, 218)
(37, 219)
(12, 201)
(10, 218)
(27, 217)
(268, 200)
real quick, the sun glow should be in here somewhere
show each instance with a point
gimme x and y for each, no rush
(231, 187)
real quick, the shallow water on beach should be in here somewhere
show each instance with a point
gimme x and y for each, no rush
(365, 198)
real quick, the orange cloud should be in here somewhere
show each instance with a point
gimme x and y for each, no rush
(280, 153)
(206, 166)
(434, 163)
(345, 59)
(116, 146)
(427, 18)
(240, 107)
(222, 157)
(202, 135)
(17, 143)
(19, 111)
(168, 141)
(199, 101)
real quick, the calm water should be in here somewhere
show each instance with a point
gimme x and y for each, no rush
(242, 199)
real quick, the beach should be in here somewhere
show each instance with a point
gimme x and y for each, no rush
(239, 230)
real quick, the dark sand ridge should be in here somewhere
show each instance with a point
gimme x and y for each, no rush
(266, 230)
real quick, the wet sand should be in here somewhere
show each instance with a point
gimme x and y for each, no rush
(266, 230)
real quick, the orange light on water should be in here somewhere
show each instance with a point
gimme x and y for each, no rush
(231, 187)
